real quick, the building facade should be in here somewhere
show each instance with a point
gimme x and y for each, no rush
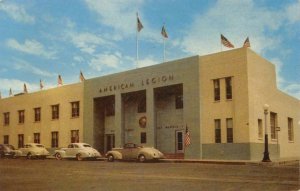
(217, 98)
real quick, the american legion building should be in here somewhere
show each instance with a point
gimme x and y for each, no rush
(218, 98)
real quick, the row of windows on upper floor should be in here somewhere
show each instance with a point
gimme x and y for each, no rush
(38, 113)
(217, 89)
(273, 122)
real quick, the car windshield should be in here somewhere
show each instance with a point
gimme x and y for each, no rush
(41, 146)
(86, 145)
(11, 147)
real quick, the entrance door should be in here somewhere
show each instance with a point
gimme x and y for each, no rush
(110, 142)
(179, 142)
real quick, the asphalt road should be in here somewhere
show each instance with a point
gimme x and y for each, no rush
(21, 174)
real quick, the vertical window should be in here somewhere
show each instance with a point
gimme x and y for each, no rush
(228, 82)
(6, 118)
(55, 111)
(229, 127)
(20, 140)
(218, 130)
(6, 139)
(75, 109)
(37, 114)
(142, 104)
(36, 137)
(290, 129)
(273, 120)
(260, 128)
(217, 90)
(54, 139)
(21, 116)
(74, 136)
(179, 101)
(143, 137)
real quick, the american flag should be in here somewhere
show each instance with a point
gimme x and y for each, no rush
(247, 42)
(25, 89)
(164, 32)
(187, 138)
(139, 24)
(59, 80)
(226, 42)
(41, 85)
(81, 77)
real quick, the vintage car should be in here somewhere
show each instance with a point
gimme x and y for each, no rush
(131, 151)
(34, 150)
(8, 151)
(78, 151)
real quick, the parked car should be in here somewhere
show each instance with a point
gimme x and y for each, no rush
(131, 151)
(34, 150)
(78, 151)
(8, 151)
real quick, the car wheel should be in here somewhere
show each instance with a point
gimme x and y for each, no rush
(78, 157)
(142, 158)
(58, 156)
(110, 158)
(29, 156)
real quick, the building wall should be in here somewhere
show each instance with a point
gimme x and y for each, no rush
(263, 90)
(44, 99)
(184, 71)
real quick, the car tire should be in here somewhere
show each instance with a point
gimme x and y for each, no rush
(110, 158)
(58, 156)
(78, 157)
(142, 158)
(29, 156)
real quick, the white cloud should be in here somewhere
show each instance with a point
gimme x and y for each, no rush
(27, 67)
(236, 20)
(105, 60)
(87, 42)
(149, 61)
(17, 12)
(118, 14)
(30, 47)
(16, 86)
(293, 12)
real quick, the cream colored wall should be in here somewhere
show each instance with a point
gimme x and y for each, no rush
(62, 95)
(218, 66)
(263, 90)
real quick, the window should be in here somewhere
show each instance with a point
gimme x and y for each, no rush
(179, 101)
(110, 107)
(290, 129)
(6, 118)
(54, 140)
(21, 116)
(218, 130)
(142, 104)
(6, 139)
(228, 82)
(74, 136)
(37, 114)
(55, 111)
(20, 140)
(273, 119)
(36, 137)
(229, 125)
(75, 109)
(143, 137)
(260, 128)
(217, 90)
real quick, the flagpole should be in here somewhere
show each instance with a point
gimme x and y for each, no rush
(137, 44)
(164, 49)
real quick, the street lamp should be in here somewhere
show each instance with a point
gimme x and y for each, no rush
(266, 153)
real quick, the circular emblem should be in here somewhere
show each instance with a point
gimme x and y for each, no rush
(143, 121)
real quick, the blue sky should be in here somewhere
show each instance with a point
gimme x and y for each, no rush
(40, 39)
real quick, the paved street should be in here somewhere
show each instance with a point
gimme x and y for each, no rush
(21, 174)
